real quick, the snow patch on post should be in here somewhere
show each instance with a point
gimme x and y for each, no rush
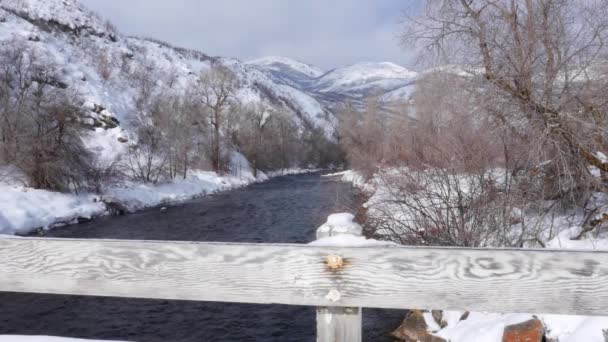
(341, 230)
(337, 324)
(339, 224)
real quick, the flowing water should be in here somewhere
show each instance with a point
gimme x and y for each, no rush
(283, 210)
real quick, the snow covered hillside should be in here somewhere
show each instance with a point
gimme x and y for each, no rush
(107, 72)
(365, 79)
(389, 81)
(287, 71)
(94, 57)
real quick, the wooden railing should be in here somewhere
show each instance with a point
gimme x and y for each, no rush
(337, 280)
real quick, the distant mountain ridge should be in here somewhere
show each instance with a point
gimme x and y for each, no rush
(350, 83)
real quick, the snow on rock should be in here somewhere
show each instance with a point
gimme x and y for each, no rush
(340, 224)
(341, 230)
(14, 338)
(489, 327)
(480, 327)
(23, 209)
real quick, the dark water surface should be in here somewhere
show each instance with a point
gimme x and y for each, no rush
(283, 210)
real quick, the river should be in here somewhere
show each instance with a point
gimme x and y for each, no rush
(283, 210)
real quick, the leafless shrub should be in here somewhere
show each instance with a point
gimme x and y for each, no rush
(147, 159)
(166, 145)
(439, 206)
(40, 127)
(104, 173)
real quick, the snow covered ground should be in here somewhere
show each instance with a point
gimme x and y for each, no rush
(23, 209)
(489, 327)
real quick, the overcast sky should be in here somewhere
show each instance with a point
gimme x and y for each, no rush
(327, 33)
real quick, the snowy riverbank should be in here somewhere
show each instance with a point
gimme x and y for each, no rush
(24, 209)
(489, 327)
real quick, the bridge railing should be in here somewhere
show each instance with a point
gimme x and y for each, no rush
(337, 280)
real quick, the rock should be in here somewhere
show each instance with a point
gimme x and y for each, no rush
(530, 331)
(438, 317)
(414, 329)
(82, 219)
(123, 140)
(98, 108)
(115, 207)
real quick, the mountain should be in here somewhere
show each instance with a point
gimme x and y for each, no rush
(108, 68)
(354, 83)
(365, 79)
(287, 71)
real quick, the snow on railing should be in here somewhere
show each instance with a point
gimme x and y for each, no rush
(339, 273)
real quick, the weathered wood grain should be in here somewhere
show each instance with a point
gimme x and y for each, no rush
(539, 281)
(338, 324)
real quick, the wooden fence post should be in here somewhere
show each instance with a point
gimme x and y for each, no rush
(338, 324)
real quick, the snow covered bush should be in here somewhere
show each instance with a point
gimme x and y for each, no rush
(440, 207)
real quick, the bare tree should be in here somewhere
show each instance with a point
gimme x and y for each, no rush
(147, 159)
(166, 140)
(284, 142)
(543, 62)
(255, 119)
(216, 89)
(40, 123)
(362, 134)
